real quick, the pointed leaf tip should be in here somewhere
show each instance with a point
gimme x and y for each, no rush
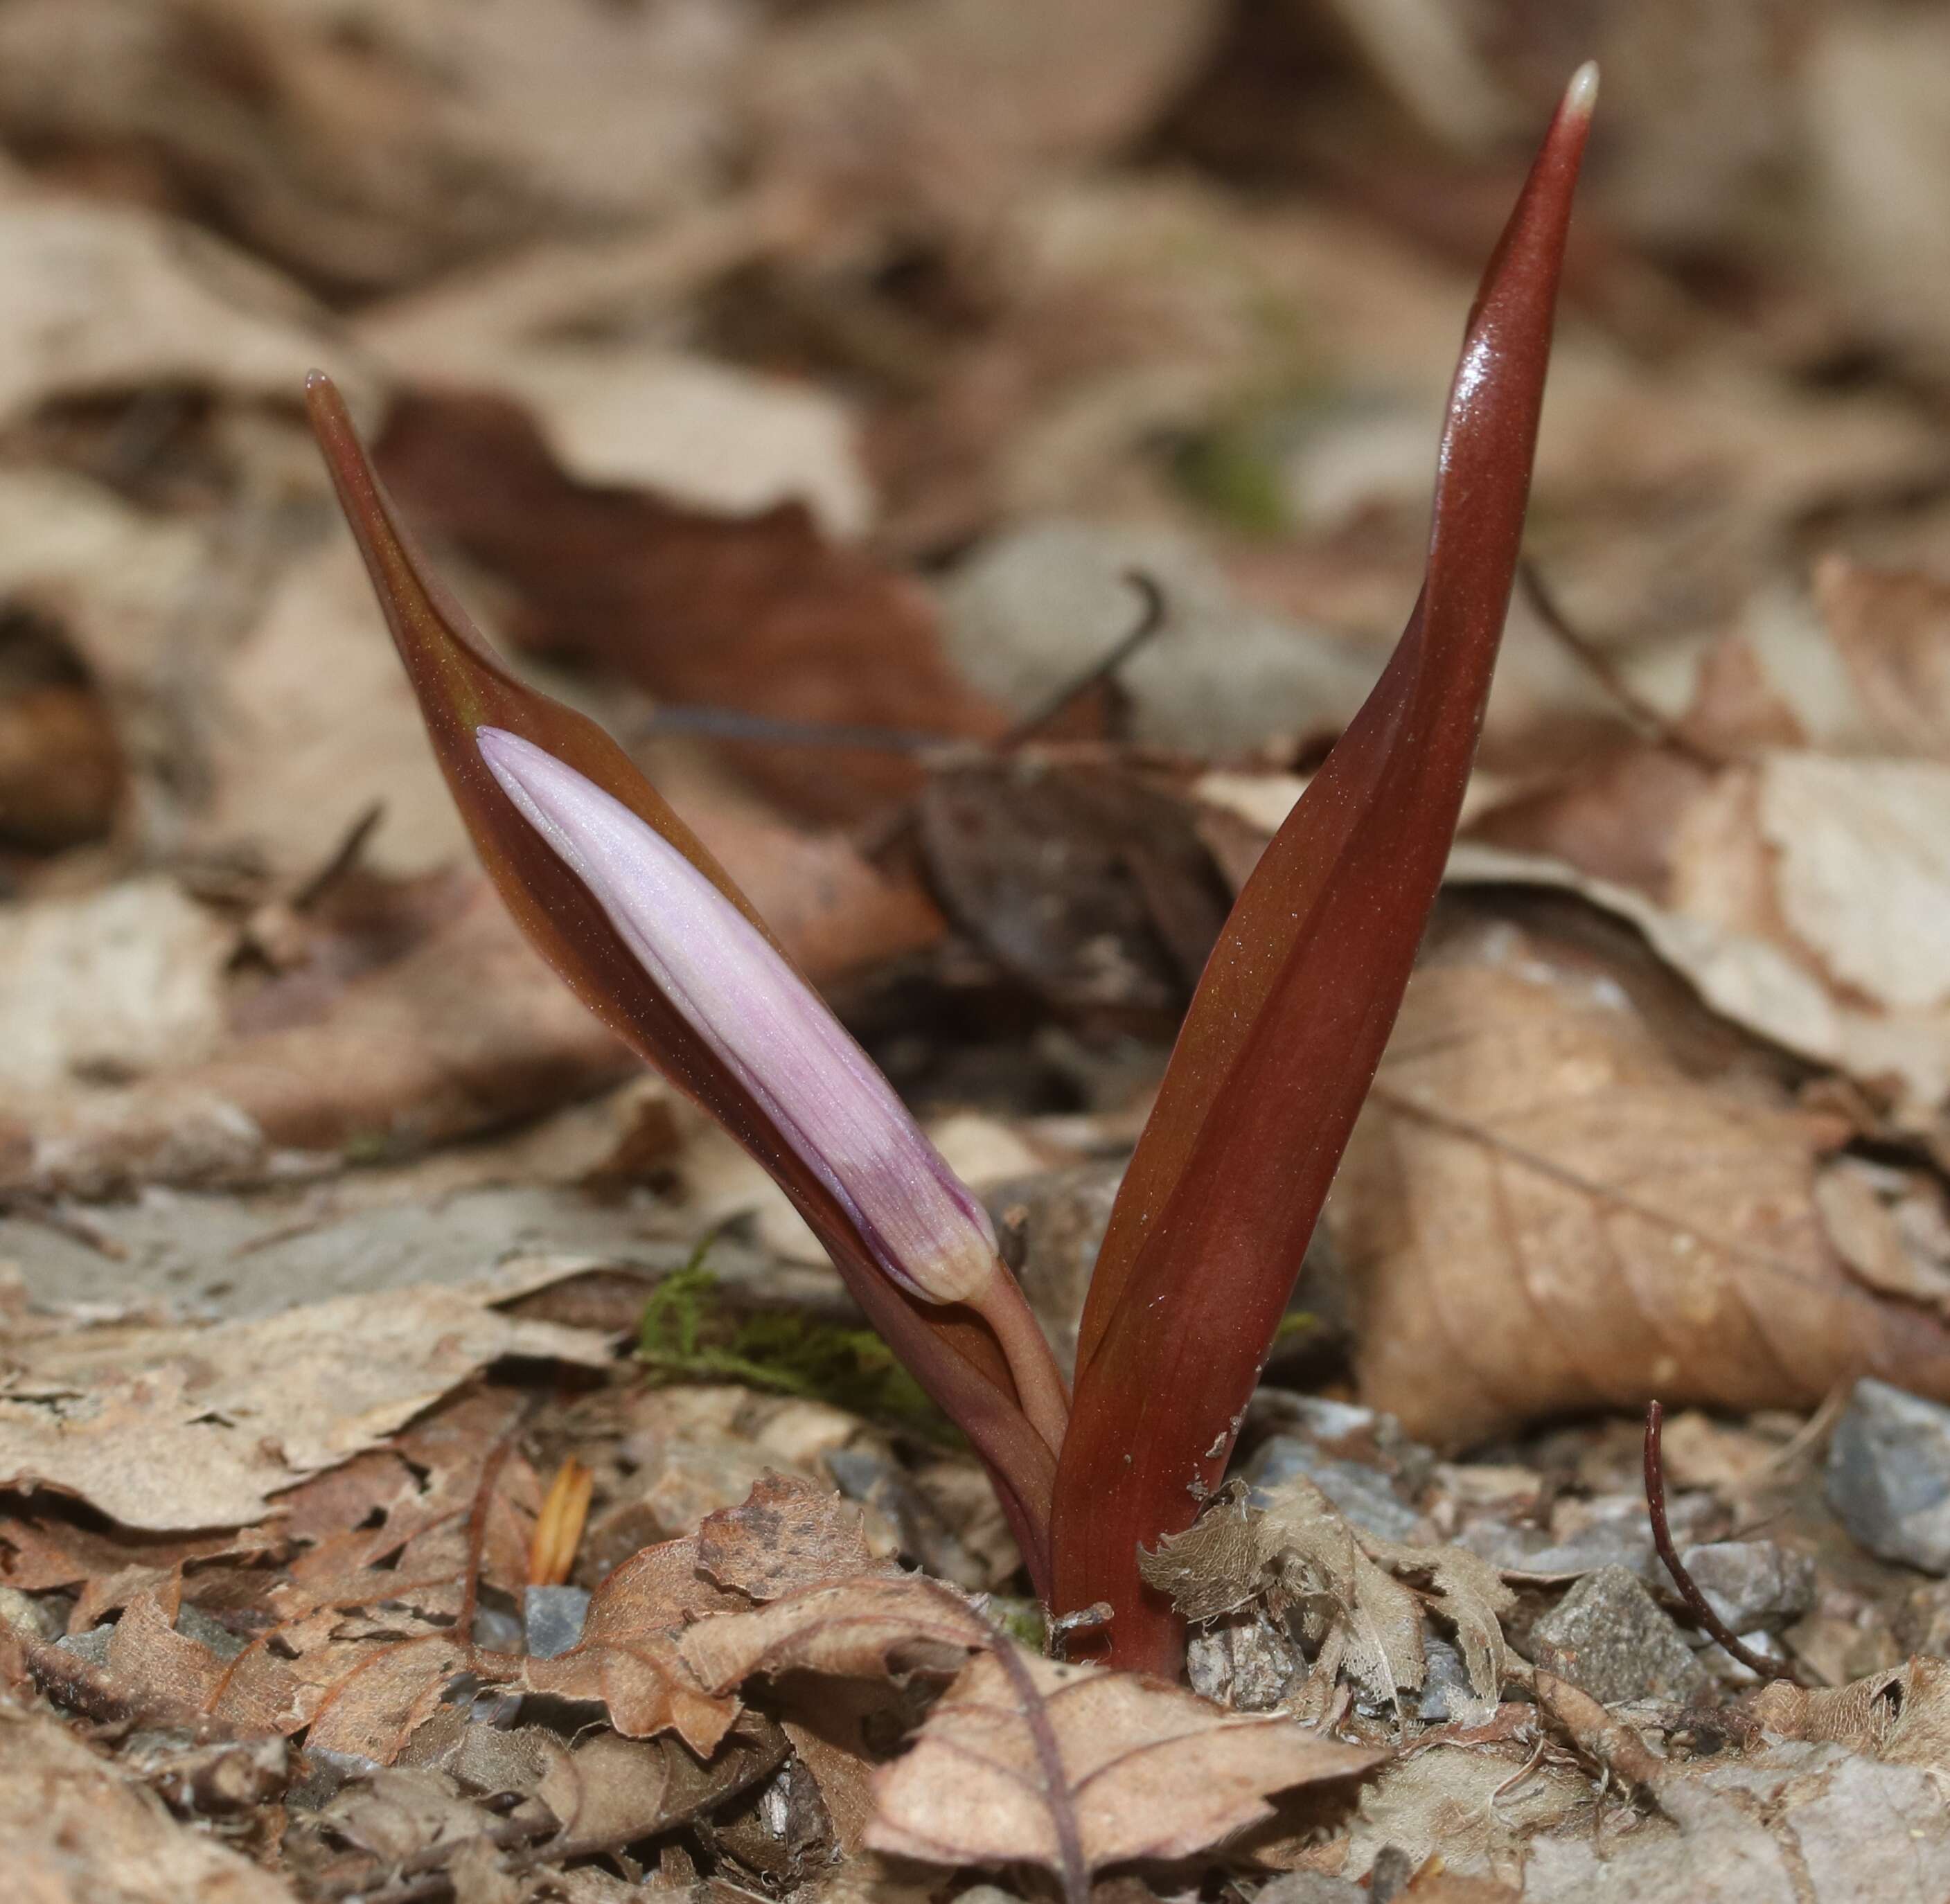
(1580, 96)
(1290, 1015)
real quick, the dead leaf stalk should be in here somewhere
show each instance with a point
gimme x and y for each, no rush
(1697, 1602)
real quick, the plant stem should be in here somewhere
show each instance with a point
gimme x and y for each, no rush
(1040, 1387)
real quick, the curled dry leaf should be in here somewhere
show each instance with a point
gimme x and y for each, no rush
(1296, 1555)
(199, 1428)
(627, 1659)
(1544, 1212)
(869, 1628)
(610, 1791)
(76, 1832)
(1901, 1716)
(1026, 1759)
(788, 1535)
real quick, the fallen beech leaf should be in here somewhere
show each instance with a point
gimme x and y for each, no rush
(1806, 896)
(108, 986)
(200, 1427)
(870, 1627)
(61, 767)
(104, 298)
(1543, 1212)
(1902, 1716)
(394, 1690)
(1090, 884)
(1892, 629)
(78, 1832)
(789, 1534)
(759, 613)
(1029, 1760)
(146, 1651)
(608, 1791)
(627, 1659)
(367, 166)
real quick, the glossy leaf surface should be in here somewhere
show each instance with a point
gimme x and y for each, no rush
(463, 686)
(1289, 1020)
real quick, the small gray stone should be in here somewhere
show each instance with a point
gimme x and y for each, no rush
(552, 1618)
(1364, 1495)
(1244, 1661)
(1753, 1584)
(92, 1646)
(1447, 1692)
(1889, 1475)
(1608, 1635)
(499, 1631)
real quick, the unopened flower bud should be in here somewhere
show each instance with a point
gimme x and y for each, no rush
(825, 1096)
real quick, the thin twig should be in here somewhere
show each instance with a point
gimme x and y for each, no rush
(1151, 619)
(342, 859)
(1606, 672)
(1715, 1628)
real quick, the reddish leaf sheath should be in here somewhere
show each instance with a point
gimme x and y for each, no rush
(463, 687)
(1290, 1018)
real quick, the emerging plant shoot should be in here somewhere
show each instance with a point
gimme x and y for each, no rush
(1275, 1056)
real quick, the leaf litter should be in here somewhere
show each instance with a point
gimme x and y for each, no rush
(804, 426)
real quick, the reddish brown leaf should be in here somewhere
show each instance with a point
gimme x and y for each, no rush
(1290, 1016)
(759, 614)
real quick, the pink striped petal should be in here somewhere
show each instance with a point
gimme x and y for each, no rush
(826, 1097)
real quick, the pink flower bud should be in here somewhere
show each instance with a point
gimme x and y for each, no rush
(824, 1094)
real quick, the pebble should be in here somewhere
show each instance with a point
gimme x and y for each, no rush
(1244, 1661)
(552, 1619)
(92, 1646)
(1364, 1495)
(1608, 1635)
(193, 1623)
(499, 1631)
(1446, 1694)
(1753, 1585)
(1889, 1475)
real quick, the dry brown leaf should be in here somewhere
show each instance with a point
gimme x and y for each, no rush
(108, 986)
(628, 1659)
(869, 1628)
(172, 1429)
(610, 1791)
(1026, 1759)
(1542, 1212)
(789, 1534)
(146, 1652)
(370, 160)
(78, 1832)
(1892, 629)
(392, 1691)
(940, 112)
(758, 613)
(103, 299)
(1902, 1716)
